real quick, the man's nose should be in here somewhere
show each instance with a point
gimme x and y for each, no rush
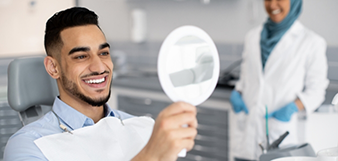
(97, 65)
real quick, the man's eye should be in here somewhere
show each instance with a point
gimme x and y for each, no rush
(80, 57)
(104, 53)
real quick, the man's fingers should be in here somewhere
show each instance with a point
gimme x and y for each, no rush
(187, 144)
(178, 107)
(186, 140)
(184, 133)
(179, 120)
(169, 135)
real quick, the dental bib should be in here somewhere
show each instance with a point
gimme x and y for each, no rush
(108, 139)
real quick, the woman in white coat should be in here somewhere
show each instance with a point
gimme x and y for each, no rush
(284, 68)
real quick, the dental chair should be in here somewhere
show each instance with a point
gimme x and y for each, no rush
(31, 91)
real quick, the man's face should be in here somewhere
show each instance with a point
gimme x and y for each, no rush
(277, 9)
(86, 66)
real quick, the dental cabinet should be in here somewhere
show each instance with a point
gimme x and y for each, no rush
(143, 96)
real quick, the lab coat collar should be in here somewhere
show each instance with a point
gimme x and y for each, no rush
(73, 118)
(296, 28)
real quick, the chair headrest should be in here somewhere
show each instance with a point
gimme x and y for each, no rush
(29, 84)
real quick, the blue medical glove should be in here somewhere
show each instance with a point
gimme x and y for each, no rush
(237, 102)
(284, 114)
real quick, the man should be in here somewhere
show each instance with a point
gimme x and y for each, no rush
(78, 58)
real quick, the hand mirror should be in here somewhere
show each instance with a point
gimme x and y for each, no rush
(188, 65)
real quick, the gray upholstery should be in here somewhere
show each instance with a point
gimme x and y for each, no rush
(30, 88)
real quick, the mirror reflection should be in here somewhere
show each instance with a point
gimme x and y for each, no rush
(190, 66)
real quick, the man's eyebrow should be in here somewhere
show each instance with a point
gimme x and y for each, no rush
(102, 46)
(77, 49)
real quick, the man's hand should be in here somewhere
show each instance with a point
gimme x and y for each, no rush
(169, 137)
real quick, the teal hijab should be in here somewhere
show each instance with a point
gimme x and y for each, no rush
(272, 32)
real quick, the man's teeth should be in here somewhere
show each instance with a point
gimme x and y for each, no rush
(275, 12)
(95, 81)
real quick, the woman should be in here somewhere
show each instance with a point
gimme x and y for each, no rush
(284, 68)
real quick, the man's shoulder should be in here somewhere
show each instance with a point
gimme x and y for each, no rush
(21, 144)
(41, 127)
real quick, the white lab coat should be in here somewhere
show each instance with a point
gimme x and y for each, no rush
(296, 68)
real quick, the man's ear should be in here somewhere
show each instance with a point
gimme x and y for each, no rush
(51, 66)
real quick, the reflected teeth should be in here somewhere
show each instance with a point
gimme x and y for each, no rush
(275, 12)
(97, 81)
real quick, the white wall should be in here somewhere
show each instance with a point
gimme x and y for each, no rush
(227, 21)
(114, 17)
(23, 24)
(321, 17)
(321, 130)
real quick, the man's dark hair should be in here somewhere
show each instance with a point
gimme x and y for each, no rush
(76, 16)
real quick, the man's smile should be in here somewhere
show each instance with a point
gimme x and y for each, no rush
(96, 82)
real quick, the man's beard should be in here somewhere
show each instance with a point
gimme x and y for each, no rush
(71, 87)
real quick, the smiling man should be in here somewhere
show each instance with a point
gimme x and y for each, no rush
(84, 70)
(78, 58)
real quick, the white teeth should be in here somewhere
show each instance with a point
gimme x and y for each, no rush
(97, 81)
(275, 12)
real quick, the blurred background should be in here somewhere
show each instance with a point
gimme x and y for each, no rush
(136, 28)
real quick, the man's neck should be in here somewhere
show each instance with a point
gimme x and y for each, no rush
(96, 113)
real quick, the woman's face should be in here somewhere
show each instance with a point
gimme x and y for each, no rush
(277, 9)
